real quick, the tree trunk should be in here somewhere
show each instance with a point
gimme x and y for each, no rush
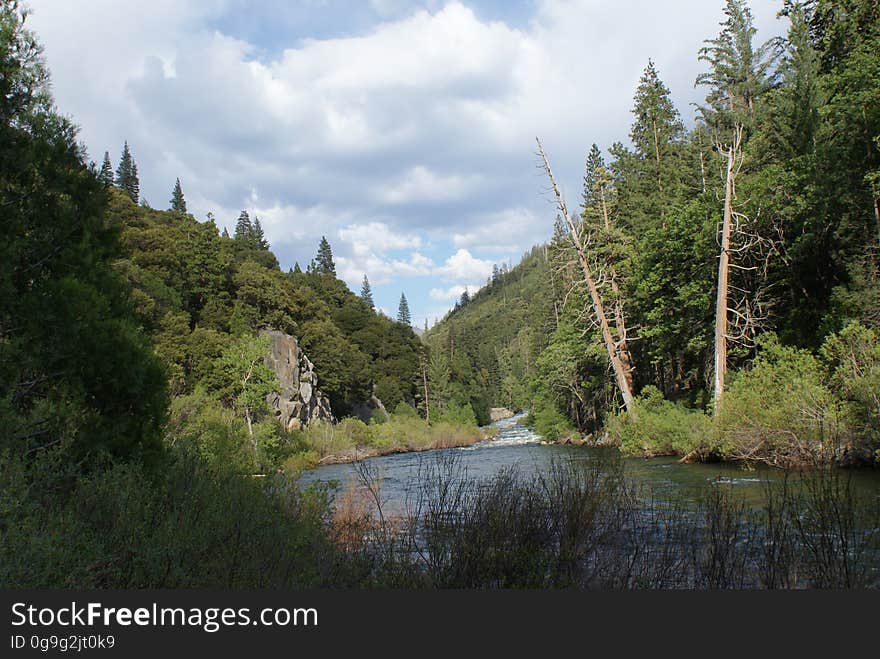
(425, 382)
(723, 273)
(877, 215)
(620, 359)
(250, 425)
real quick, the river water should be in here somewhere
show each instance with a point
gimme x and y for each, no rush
(516, 446)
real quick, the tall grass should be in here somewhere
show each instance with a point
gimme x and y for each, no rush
(581, 524)
(353, 439)
(584, 524)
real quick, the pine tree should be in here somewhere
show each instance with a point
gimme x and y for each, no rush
(739, 72)
(259, 238)
(324, 260)
(126, 174)
(134, 186)
(596, 197)
(296, 268)
(106, 175)
(225, 233)
(658, 122)
(244, 230)
(655, 133)
(367, 293)
(403, 315)
(594, 162)
(465, 298)
(178, 203)
(793, 116)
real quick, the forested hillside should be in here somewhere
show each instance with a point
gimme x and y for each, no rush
(483, 352)
(729, 269)
(195, 290)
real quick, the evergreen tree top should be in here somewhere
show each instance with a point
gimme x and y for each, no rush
(127, 175)
(367, 292)
(595, 166)
(244, 229)
(403, 314)
(178, 203)
(738, 71)
(324, 260)
(258, 237)
(106, 174)
(657, 121)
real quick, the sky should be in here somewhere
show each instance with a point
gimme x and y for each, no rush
(403, 131)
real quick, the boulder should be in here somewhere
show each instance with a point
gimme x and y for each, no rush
(499, 413)
(365, 410)
(300, 400)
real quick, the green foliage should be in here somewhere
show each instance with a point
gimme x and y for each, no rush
(200, 425)
(178, 203)
(245, 377)
(807, 215)
(403, 315)
(483, 354)
(546, 419)
(367, 293)
(127, 175)
(344, 370)
(658, 427)
(780, 411)
(75, 367)
(853, 358)
(187, 525)
(404, 410)
(462, 415)
(403, 430)
(324, 264)
(105, 176)
(739, 73)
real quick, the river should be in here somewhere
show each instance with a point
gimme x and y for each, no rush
(516, 446)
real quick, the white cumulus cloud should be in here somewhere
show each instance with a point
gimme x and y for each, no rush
(453, 292)
(464, 266)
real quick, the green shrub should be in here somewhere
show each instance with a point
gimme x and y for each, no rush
(546, 420)
(779, 412)
(659, 427)
(185, 525)
(401, 431)
(378, 416)
(404, 409)
(459, 414)
(299, 462)
(199, 424)
(325, 439)
(853, 359)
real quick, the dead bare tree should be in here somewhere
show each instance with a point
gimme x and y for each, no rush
(741, 309)
(721, 307)
(618, 354)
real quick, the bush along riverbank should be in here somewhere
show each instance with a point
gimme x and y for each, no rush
(793, 408)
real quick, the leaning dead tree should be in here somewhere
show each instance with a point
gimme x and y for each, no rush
(615, 342)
